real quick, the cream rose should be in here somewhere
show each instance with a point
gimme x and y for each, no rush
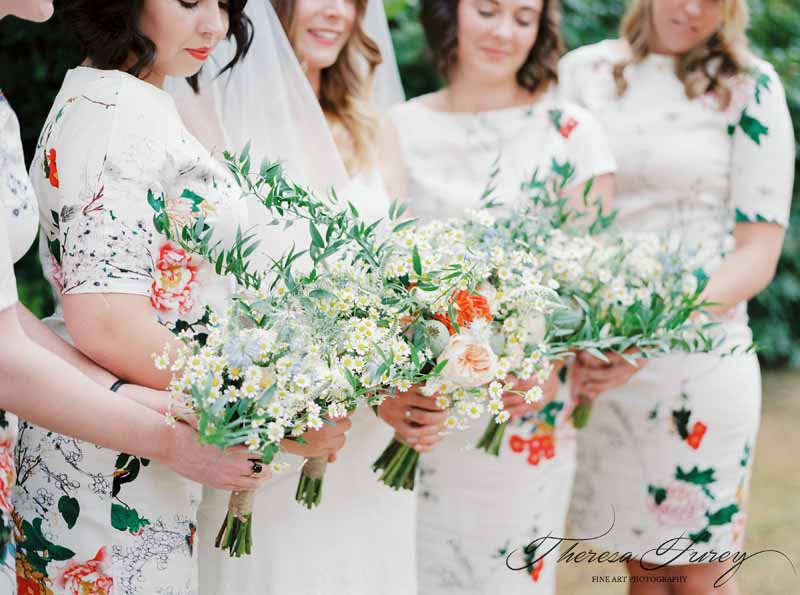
(470, 361)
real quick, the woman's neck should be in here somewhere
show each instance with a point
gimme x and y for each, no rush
(465, 95)
(154, 78)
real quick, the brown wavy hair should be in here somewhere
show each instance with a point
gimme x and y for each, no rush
(707, 67)
(439, 19)
(345, 90)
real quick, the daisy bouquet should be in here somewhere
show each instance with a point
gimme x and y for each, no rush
(275, 367)
(291, 351)
(634, 294)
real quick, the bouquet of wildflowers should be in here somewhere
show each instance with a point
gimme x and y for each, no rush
(488, 326)
(273, 368)
(293, 350)
(634, 294)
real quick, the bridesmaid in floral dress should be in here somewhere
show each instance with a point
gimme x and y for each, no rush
(112, 152)
(498, 110)
(72, 397)
(703, 138)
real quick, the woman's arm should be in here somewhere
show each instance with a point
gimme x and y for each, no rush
(746, 271)
(602, 190)
(44, 337)
(121, 334)
(44, 389)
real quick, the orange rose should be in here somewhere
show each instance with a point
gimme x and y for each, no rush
(467, 307)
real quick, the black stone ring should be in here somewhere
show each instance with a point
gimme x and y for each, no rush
(257, 467)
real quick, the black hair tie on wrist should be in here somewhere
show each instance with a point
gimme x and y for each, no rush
(117, 385)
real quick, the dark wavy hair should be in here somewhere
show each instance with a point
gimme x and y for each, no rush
(108, 33)
(439, 20)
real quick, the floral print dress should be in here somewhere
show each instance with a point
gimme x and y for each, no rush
(670, 452)
(474, 510)
(18, 225)
(114, 172)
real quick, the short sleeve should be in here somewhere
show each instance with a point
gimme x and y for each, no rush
(8, 285)
(587, 144)
(108, 171)
(763, 151)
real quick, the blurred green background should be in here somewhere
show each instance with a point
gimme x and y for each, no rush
(35, 57)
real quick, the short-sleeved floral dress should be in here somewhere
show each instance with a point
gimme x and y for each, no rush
(671, 451)
(474, 509)
(18, 225)
(112, 159)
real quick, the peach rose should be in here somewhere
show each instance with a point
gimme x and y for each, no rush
(470, 361)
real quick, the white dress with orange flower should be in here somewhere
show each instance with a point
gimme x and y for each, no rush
(18, 225)
(671, 451)
(474, 510)
(114, 168)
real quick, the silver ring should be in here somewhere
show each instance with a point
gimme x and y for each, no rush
(408, 412)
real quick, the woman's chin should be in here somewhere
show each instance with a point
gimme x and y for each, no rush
(38, 11)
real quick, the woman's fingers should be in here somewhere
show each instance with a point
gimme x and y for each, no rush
(416, 433)
(421, 402)
(425, 417)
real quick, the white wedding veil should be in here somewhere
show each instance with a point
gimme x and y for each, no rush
(267, 101)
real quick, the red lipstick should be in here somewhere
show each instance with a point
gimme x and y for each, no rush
(199, 53)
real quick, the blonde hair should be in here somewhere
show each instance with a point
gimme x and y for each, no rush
(345, 90)
(705, 68)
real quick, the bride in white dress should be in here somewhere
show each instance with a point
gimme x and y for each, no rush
(360, 539)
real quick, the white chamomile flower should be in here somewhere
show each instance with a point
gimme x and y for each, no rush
(275, 409)
(252, 443)
(257, 423)
(161, 361)
(534, 395)
(315, 422)
(474, 410)
(451, 423)
(275, 432)
(249, 389)
(277, 467)
(463, 424)
(442, 402)
(403, 385)
(502, 417)
(495, 390)
(495, 406)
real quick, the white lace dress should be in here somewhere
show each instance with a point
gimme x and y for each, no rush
(358, 541)
(671, 451)
(19, 221)
(474, 509)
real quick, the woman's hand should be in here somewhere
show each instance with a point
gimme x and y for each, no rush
(416, 419)
(514, 402)
(230, 469)
(591, 376)
(326, 441)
